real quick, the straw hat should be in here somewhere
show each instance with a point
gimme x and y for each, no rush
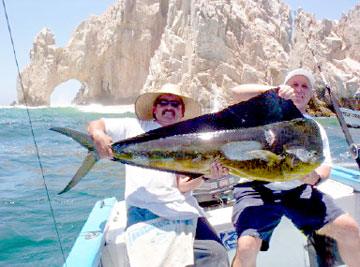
(302, 72)
(145, 102)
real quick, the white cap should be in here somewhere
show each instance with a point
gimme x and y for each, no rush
(302, 72)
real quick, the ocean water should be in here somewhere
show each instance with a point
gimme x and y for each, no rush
(27, 233)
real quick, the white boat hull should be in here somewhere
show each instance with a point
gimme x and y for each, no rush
(352, 117)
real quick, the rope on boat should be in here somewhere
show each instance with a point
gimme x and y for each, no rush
(354, 150)
(32, 132)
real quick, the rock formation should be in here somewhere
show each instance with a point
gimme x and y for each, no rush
(209, 46)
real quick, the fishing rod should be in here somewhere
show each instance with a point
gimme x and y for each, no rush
(32, 132)
(353, 148)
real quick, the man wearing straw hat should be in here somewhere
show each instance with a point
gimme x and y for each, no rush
(309, 209)
(161, 197)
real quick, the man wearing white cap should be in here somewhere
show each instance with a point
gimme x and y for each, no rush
(260, 206)
(161, 197)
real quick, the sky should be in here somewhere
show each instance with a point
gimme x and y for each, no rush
(28, 17)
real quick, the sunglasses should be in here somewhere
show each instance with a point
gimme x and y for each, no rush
(164, 103)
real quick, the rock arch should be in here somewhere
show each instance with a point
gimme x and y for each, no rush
(65, 93)
(109, 54)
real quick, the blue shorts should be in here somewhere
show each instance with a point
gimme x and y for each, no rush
(258, 210)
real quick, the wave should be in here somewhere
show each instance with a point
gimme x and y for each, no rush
(97, 108)
(12, 238)
(22, 107)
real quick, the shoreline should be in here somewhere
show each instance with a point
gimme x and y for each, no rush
(97, 108)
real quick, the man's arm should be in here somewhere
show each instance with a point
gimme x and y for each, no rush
(244, 92)
(96, 130)
(321, 173)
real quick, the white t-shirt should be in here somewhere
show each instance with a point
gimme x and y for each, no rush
(150, 189)
(327, 161)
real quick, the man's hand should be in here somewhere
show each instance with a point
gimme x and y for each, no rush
(312, 178)
(186, 184)
(96, 130)
(217, 171)
(286, 92)
(321, 173)
(102, 144)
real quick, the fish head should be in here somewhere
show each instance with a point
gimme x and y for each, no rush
(301, 156)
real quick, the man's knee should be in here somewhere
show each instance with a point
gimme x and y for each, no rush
(248, 245)
(343, 229)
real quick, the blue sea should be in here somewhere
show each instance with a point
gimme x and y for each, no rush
(27, 232)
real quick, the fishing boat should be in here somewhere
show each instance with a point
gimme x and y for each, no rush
(101, 241)
(352, 117)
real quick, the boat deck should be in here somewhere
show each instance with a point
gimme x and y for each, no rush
(287, 245)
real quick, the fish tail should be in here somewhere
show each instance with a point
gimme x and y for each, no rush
(88, 163)
(90, 160)
(81, 138)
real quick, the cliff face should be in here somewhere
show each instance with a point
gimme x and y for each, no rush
(208, 46)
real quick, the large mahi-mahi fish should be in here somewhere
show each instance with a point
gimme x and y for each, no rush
(265, 138)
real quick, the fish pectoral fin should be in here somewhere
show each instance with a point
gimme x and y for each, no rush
(265, 155)
(238, 150)
(85, 167)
